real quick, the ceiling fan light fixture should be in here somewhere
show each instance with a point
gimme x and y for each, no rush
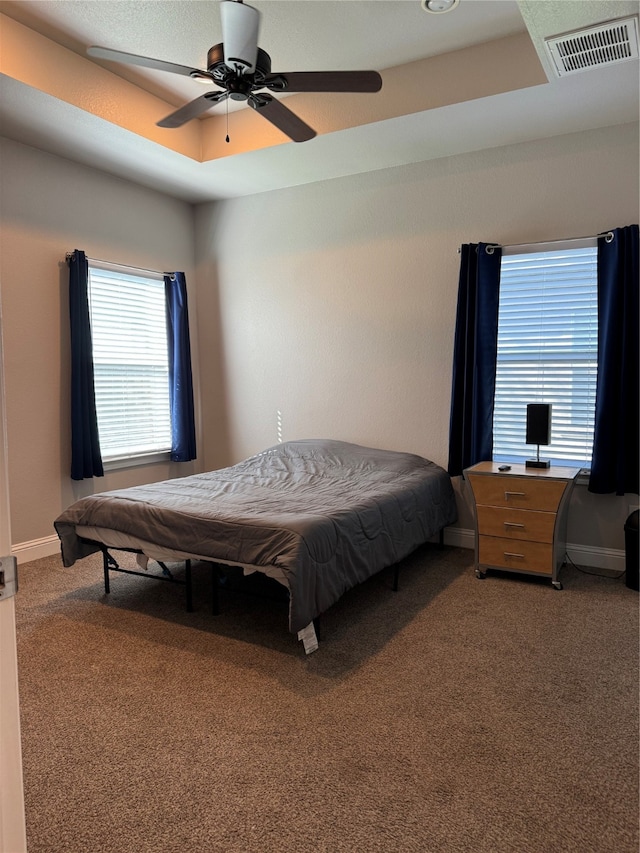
(201, 77)
(439, 6)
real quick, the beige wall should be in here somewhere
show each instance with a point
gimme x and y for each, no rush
(337, 299)
(50, 206)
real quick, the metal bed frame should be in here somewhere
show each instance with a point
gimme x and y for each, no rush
(110, 564)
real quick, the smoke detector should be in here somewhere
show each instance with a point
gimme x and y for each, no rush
(593, 47)
(439, 6)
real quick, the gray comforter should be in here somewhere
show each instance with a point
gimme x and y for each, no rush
(327, 513)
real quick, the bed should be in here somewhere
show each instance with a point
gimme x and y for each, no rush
(319, 516)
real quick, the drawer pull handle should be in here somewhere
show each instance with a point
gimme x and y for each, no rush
(511, 554)
(513, 524)
(508, 495)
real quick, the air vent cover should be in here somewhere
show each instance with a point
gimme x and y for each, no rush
(603, 44)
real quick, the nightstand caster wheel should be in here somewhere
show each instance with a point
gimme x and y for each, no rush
(480, 575)
(556, 584)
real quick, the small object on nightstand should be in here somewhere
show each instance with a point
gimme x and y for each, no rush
(504, 467)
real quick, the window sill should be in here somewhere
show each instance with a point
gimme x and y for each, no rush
(135, 461)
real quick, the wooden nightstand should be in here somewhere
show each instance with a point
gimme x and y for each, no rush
(521, 518)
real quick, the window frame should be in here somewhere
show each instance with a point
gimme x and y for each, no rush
(123, 460)
(501, 453)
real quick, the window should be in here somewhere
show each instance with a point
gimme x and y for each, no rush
(547, 350)
(131, 366)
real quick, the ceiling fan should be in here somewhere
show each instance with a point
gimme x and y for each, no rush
(241, 69)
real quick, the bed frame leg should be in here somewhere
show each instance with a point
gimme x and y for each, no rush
(441, 537)
(105, 568)
(108, 562)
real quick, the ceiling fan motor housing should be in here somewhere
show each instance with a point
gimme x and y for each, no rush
(225, 76)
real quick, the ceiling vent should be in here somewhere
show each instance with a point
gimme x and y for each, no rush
(594, 47)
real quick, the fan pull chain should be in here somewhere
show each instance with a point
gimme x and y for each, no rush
(227, 106)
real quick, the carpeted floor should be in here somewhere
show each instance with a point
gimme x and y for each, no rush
(454, 715)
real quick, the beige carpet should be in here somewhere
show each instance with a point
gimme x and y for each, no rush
(454, 715)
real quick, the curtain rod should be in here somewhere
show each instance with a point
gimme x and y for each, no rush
(608, 235)
(69, 255)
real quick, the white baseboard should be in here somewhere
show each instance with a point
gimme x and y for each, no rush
(24, 552)
(458, 537)
(611, 559)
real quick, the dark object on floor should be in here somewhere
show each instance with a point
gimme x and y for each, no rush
(631, 550)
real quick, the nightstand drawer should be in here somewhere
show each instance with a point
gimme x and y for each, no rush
(518, 492)
(516, 523)
(515, 556)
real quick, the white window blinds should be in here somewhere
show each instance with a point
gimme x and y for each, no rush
(547, 351)
(129, 332)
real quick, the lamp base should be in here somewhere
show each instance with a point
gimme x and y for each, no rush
(537, 463)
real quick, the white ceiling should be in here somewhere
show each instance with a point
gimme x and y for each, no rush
(302, 35)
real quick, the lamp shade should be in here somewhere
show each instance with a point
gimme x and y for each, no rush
(538, 423)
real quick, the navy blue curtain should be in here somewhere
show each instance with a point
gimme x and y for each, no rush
(615, 464)
(86, 460)
(474, 357)
(183, 430)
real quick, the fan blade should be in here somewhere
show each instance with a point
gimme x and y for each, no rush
(146, 62)
(193, 109)
(281, 117)
(325, 81)
(240, 24)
